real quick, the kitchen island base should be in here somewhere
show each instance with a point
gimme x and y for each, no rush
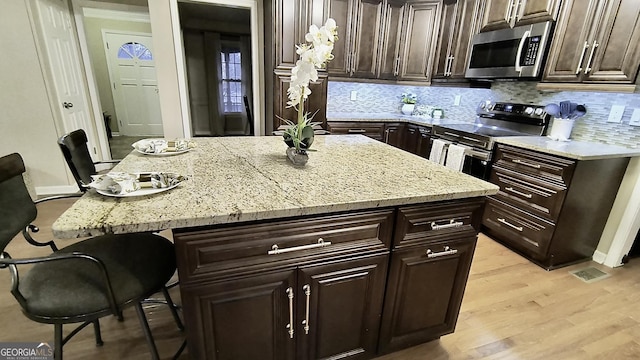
(348, 285)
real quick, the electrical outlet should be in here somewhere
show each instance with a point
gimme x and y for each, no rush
(456, 100)
(635, 118)
(615, 116)
(354, 95)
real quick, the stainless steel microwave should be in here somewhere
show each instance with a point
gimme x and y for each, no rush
(509, 53)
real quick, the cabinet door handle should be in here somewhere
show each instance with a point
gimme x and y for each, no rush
(518, 161)
(357, 131)
(528, 196)
(516, 11)
(501, 220)
(275, 250)
(584, 51)
(593, 51)
(290, 325)
(509, 11)
(447, 251)
(448, 66)
(386, 136)
(452, 223)
(396, 68)
(305, 322)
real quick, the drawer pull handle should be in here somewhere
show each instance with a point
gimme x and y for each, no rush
(518, 161)
(357, 131)
(290, 324)
(452, 223)
(447, 251)
(528, 196)
(275, 250)
(305, 322)
(519, 228)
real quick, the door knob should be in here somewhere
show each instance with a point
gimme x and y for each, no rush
(67, 105)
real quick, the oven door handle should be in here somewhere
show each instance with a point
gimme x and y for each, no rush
(485, 156)
(519, 54)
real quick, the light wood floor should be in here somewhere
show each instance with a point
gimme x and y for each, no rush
(512, 309)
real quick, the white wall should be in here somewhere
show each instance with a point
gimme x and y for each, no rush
(166, 69)
(26, 121)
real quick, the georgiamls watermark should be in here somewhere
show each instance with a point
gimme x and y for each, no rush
(25, 351)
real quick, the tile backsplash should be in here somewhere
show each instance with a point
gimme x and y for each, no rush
(385, 98)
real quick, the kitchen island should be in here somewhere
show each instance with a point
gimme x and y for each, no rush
(280, 262)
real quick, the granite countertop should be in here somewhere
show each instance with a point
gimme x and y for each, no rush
(233, 179)
(390, 117)
(578, 150)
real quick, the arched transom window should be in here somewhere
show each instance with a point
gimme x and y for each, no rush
(134, 50)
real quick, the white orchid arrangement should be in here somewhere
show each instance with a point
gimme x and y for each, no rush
(314, 55)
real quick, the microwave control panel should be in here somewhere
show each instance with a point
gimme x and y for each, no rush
(530, 51)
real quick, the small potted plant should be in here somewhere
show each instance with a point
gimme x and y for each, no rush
(408, 103)
(313, 56)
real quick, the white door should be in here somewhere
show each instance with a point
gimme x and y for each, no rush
(65, 68)
(134, 84)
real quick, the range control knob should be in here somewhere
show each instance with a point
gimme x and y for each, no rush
(490, 106)
(528, 110)
(539, 111)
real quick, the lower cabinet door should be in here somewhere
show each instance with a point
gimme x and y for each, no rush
(340, 304)
(241, 318)
(424, 292)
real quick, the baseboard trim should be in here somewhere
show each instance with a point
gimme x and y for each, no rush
(599, 257)
(56, 190)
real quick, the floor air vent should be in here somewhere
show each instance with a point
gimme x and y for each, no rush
(589, 274)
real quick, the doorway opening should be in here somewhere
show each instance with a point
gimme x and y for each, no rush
(218, 64)
(117, 46)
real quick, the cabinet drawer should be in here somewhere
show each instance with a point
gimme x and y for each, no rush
(518, 228)
(437, 221)
(250, 247)
(529, 193)
(370, 129)
(533, 163)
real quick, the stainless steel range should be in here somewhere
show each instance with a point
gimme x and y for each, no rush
(494, 119)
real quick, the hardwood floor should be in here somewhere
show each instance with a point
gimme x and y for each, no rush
(512, 309)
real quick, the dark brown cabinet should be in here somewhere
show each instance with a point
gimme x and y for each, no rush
(550, 209)
(419, 37)
(339, 307)
(316, 103)
(314, 287)
(429, 269)
(460, 21)
(254, 307)
(394, 15)
(374, 130)
(386, 39)
(415, 139)
(425, 293)
(596, 41)
(359, 30)
(289, 21)
(502, 14)
(394, 134)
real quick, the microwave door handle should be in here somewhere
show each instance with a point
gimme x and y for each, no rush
(518, 56)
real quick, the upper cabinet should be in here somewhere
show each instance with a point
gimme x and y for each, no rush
(359, 29)
(460, 21)
(596, 41)
(386, 39)
(419, 36)
(502, 14)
